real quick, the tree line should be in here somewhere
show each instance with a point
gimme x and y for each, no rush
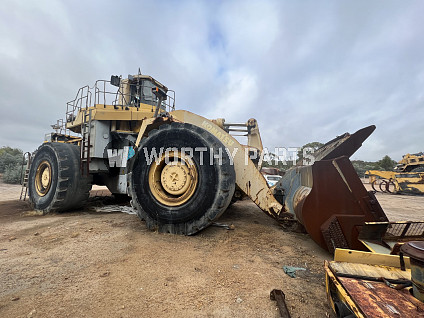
(11, 164)
(385, 164)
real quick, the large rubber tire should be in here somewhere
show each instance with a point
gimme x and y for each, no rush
(215, 187)
(68, 189)
(375, 185)
(383, 186)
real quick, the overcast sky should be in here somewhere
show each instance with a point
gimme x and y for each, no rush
(306, 70)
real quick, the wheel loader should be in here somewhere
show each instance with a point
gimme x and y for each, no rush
(182, 171)
(411, 163)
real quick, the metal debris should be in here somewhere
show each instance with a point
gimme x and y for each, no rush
(279, 297)
(225, 226)
(115, 208)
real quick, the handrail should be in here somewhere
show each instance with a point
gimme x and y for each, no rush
(101, 93)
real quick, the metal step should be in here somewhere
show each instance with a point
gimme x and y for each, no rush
(85, 142)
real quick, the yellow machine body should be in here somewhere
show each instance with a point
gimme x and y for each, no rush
(110, 131)
(397, 182)
(411, 162)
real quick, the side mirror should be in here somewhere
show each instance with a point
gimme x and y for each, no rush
(115, 80)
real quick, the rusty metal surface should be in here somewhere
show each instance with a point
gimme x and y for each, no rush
(344, 145)
(279, 297)
(337, 194)
(333, 235)
(328, 198)
(376, 299)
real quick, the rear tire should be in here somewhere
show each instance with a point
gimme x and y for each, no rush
(204, 194)
(55, 182)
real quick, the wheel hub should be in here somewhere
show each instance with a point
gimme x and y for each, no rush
(173, 179)
(43, 178)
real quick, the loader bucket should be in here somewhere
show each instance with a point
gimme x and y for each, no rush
(328, 198)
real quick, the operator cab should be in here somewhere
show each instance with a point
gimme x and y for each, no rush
(141, 89)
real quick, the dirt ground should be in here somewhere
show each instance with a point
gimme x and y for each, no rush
(91, 264)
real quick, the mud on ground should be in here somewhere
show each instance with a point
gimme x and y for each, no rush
(90, 264)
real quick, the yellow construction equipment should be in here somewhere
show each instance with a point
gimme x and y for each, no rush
(396, 182)
(387, 280)
(411, 163)
(182, 170)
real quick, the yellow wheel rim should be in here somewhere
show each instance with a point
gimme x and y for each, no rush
(173, 178)
(43, 178)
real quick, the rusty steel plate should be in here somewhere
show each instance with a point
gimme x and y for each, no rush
(338, 200)
(377, 300)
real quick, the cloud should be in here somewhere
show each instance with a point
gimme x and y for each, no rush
(307, 71)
